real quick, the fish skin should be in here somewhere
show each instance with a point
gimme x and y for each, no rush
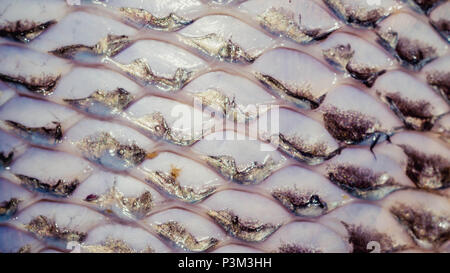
(364, 135)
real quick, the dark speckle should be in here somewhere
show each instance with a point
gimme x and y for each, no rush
(348, 126)
(59, 189)
(302, 98)
(294, 248)
(103, 103)
(414, 114)
(423, 225)
(356, 16)
(443, 26)
(48, 229)
(5, 160)
(8, 208)
(368, 76)
(43, 86)
(301, 204)
(414, 53)
(365, 19)
(426, 5)
(70, 51)
(24, 31)
(250, 230)
(360, 237)
(427, 171)
(48, 135)
(441, 81)
(362, 182)
(91, 197)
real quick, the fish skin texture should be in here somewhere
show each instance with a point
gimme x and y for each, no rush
(224, 126)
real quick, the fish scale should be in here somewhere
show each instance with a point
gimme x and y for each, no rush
(224, 126)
